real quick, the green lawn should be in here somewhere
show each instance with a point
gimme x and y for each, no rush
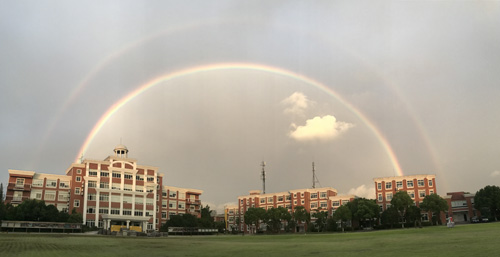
(463, 240)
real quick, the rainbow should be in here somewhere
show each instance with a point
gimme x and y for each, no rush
(238, 66)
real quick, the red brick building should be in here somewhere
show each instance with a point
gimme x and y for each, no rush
(417, 186)
(113, 193)
(461, 207)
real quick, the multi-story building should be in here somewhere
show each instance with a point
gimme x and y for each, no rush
(417, 186)
(312, 199)
(461, 206)
(178, 201)
(115, 192)
(231, 216)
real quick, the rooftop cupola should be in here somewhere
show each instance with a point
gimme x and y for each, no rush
(121, 151)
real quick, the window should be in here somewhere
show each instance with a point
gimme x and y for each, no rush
(314, 195)
(104, 185)
(458, 204)
(128, 176)
(409, 183)
(140, 189)
(163, 215)
(104, 197)
(115, 211)
(323, 195)
(399, 184)
(91, 223)
(388, 196)
(37, 182)
(127, 199)
(380, 198)
(93, 173)
(76, 203)
(149, 201)
(127, 187)
(411, 194)
(302, 202)
(182, 205)
(379, 186)
(335, 203)
(323, 205)
(91, 209)
(421, 193)
(20, 182)
(280, 198)
(420, 182)
(172, 204)
(78, 179)
(51, 183)
(116, 175)
(429, 182)
(127, 212)
(78, 171)
(63, 197)
(115, 198)
(269, 199)
(116, 186)
(140, 200)
(295, 202)
(431, 192)
(63, 184)
(92, 184)
(104, 174)
(314, 205)
(173, 194)
(138, 213)
(36, 195)
(151, 179)
(388, 185)
(149, 213)
(425, 217)
(91, 197)
(139, 178)
(263, 200)
(287, 197)
(77, 190)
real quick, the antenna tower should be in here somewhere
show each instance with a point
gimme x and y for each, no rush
(315, 179)
(263, 177)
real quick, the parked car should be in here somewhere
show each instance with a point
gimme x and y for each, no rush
(474, 220)
(484, 220)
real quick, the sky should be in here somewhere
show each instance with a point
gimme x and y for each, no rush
(207, 90)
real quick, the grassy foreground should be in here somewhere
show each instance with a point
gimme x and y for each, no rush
(464, 240)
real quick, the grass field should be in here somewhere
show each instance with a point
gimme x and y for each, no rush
(463, 240)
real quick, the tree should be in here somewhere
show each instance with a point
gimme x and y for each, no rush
(343, 213)
(414, 214)
(75, 217)
(285, 216)
(253, 216)
(435, 204)
(390, 216)
(401, 201)
(300, 215)
(273, 219)
(206, 220)
(3, 208)
(321, 219)
(488, 198)
(364, 211)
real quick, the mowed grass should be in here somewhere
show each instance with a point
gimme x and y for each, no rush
(463, 240)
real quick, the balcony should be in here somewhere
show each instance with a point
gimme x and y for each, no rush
(19, 187)
(195, 202)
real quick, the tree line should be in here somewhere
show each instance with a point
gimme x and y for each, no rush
(190, 221)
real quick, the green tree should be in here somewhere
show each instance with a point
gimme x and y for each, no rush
(75, 217)
(401, 201)
(365, 211)
(206, 220)
(414, 214)
(390, 216)
(253, 216)
(435, 204)
(273, 219)
(343, 214)
(285, 216)
(3, 208)
(321, 219)
(300, 215)
(488, 198)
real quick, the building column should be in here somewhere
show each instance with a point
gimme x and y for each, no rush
(128, 224)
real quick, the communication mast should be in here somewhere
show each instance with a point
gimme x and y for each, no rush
(263, 177)
(315, 179)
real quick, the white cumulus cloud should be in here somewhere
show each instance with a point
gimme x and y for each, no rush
(363, 191)
(495, 173)
(296, 104)
(319, 128)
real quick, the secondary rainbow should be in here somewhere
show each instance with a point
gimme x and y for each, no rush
(239, 66)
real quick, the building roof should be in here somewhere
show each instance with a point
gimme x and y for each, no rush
(420, 176)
